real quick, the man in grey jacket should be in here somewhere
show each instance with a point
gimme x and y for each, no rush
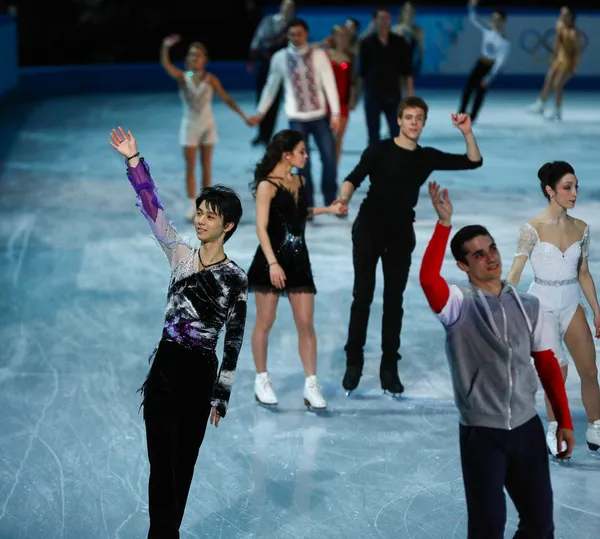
(492, 332)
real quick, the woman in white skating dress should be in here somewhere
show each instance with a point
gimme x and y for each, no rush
(558, 247)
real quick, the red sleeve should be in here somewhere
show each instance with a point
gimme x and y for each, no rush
(434, 285)
(550, 375)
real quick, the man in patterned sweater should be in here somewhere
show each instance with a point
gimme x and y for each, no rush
(492, 332)
(309, 85)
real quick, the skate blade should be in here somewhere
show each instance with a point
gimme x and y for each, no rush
(313, 408)
(393, 395)
(270, 404)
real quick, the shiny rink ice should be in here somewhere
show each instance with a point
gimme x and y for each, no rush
(83, 296)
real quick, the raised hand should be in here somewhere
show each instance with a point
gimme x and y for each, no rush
(171, 40)
(125, 144)
(441, 203)
(463, 122)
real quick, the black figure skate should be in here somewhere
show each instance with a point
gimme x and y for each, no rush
(390, 381)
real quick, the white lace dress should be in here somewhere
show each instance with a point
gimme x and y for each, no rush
(556, 280)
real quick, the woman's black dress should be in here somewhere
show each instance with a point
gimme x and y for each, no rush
(287, 222)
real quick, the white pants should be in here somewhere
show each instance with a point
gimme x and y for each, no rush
(194, 133)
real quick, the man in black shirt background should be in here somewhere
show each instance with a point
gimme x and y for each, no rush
(397, 168)
(384, 59)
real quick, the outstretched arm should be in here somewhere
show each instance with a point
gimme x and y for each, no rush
(453, 161)
(165, 59)
(445, 301)
(269, 93)
(217, 87)
(138, 173)
(234, 336)
(473, 16)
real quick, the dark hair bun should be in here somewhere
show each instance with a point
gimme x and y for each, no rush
(544, 172)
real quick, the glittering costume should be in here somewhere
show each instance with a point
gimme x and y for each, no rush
(565, 59)
(556, 282)
(287, 221)
(198, 126)
(185, 380)
(343, 80)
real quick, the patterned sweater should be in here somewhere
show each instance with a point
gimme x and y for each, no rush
(199, 303)
(309, 83)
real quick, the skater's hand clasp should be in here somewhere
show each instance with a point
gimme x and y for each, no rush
(215, 417)
(338, 208)
(568, 437)
(441, 203)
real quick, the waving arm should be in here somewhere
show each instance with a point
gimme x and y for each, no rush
(138, 173)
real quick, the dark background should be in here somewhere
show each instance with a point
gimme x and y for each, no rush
(59, 32)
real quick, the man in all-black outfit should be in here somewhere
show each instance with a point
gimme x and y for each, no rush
(397, 168)
(384, 59)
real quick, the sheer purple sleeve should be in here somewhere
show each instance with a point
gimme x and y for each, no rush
(149, 203)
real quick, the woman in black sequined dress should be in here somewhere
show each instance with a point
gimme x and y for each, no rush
(281, 265)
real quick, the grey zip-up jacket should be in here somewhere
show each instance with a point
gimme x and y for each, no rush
(489, 344)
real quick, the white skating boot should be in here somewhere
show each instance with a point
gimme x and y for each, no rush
(538, 107)
(554, 114)
(313, 398)
(551, 440)
(192, 211)
(263, 390)
(592, 435)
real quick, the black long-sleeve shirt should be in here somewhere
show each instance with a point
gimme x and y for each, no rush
(396, 176)
(381, 66)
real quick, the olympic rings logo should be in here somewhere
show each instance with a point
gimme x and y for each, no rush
(541, 45)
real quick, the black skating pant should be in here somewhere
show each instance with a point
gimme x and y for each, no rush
(393, 244)
(495, 459)
(177, 396)
(478, 73)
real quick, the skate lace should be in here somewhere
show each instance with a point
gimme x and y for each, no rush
(313, 384)
(266, 383)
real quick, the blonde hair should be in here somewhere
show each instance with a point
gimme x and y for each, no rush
(200, 46)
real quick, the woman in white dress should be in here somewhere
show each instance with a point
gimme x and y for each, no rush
(198, 131)
(558, 246)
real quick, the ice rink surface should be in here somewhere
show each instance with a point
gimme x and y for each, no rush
(82, 304)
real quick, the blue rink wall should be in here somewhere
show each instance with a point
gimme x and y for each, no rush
(452, 44)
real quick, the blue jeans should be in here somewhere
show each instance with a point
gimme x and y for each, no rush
(325, 142)
(374, 106)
